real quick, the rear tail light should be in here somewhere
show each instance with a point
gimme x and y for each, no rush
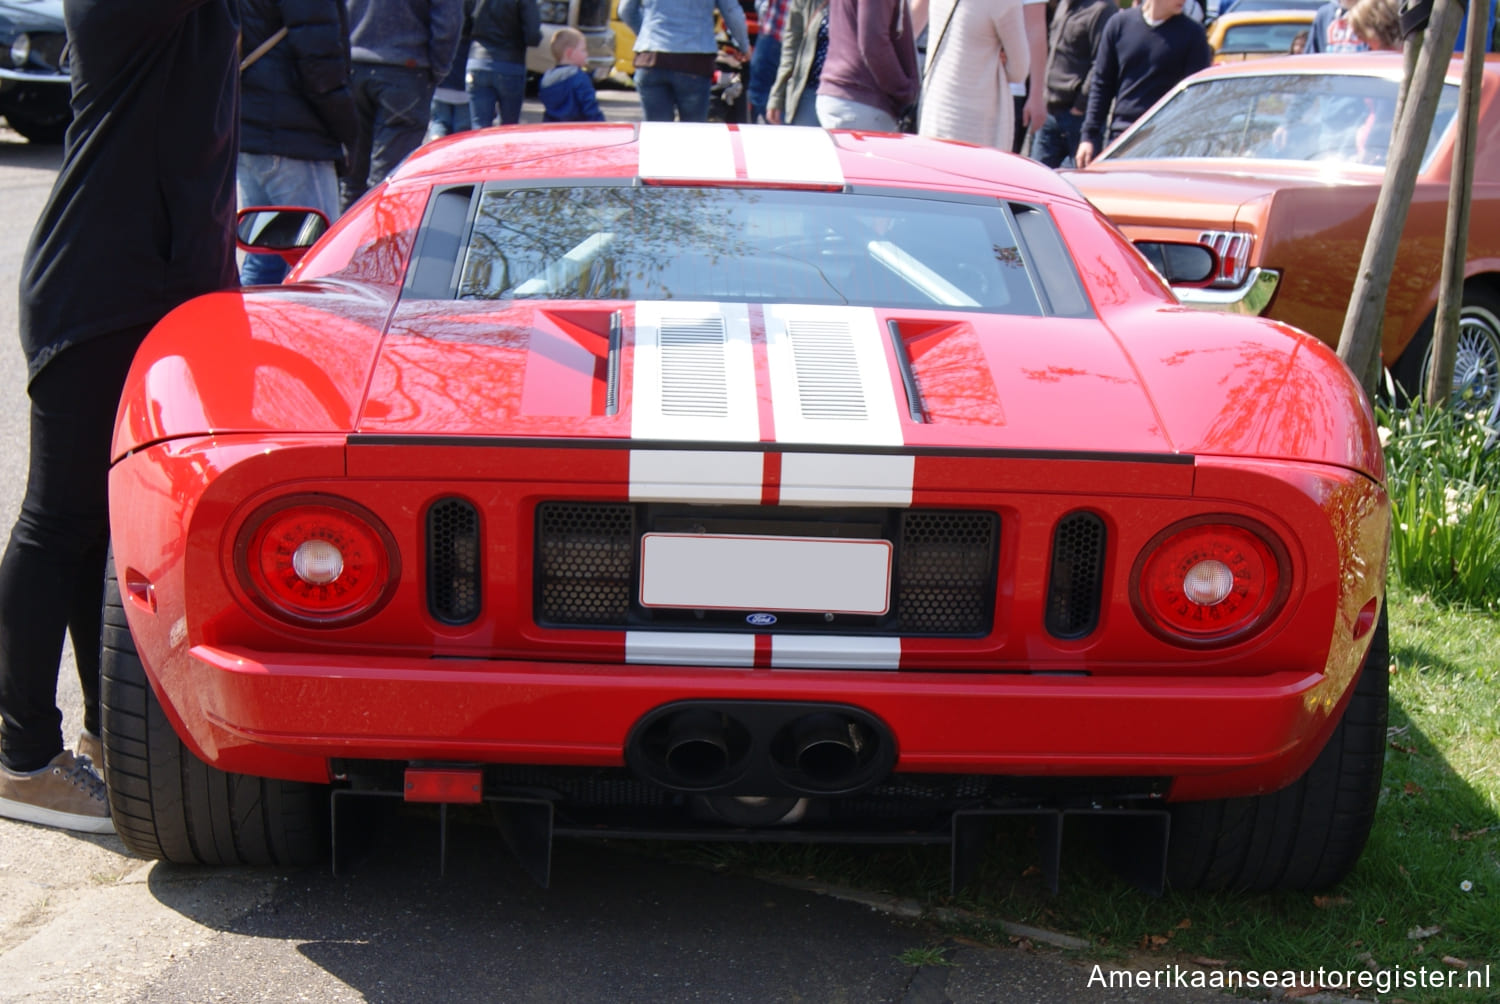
(1233, 249)
(1210, 581)
(316, 560)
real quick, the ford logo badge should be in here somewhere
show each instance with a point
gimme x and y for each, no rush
(761, 620)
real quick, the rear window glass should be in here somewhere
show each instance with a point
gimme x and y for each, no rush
(737, 244)
(1271, 37)
(1335, 118)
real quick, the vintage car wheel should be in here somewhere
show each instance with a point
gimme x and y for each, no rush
(44, 130)
(1476, 365)
(1309, 834)
(168, 804)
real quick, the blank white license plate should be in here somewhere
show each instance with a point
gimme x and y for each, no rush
(748, 572)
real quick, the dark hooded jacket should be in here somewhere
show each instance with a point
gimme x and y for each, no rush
(295, 100)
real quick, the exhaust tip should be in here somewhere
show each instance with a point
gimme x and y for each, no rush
(696, 750)
(830, 752)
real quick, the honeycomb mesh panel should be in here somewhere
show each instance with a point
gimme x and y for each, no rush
(453, 572)
(584, 555)
(946, 574)
(1076, 582)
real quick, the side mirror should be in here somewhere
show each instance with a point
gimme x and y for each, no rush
(279, 230)
(1181, 264)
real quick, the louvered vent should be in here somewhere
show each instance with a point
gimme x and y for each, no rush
(946, 578)
(692, 368)
(1077, 581)
(584, 559)
(828, 382)
(453, 567)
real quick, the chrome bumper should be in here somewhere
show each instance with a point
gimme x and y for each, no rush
(1251, 298)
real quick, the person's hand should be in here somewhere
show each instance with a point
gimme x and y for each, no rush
(773, 116)
(1034, 112)
(1085, 154)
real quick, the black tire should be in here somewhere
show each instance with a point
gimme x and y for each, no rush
(43, 130)
(1476, 369)
(168, 804)
(1309, 834)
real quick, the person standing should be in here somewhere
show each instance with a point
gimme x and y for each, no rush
(1029, 93)
(975, 49)
(1077, 27)
(566, 91)
(765, 59)
(804, 46)
(141, 218)
(297, 114)
(675, 48)
(1331, 30)
(870, 75)
(496, 69)
(1143, 53)
(401, 49)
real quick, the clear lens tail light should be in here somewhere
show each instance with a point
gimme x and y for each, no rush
(316, 560)
(1233, 249)
(1210, 581)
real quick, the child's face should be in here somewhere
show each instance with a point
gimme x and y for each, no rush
(578, 55)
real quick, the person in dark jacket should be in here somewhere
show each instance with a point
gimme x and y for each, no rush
(566, 92)
(1077, 27)
(503, 31)
(296, 113)
(141, 218)
(401, 50)
(1143, 53)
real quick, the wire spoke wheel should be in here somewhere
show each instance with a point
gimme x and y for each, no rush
(1476, 365)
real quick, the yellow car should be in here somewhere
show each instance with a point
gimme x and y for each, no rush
(624, 42)
(1252, 34)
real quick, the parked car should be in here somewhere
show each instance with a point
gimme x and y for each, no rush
(592, 17)
(742, 482)
(1277, 165)
(1255, 34)
(34, 86)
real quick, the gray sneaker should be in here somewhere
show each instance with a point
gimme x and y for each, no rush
(66, 794)
(91, 748)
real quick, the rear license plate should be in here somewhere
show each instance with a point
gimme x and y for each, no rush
(749, 572)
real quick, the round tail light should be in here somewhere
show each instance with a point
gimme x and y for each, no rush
(316, 560)
(1210, 581)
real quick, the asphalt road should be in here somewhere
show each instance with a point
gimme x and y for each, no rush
(82, 919)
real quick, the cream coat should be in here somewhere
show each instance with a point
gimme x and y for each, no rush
(966, 92)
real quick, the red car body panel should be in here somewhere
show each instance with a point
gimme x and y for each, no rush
(1148, 414)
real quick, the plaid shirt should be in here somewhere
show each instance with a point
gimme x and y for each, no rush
(772, 16)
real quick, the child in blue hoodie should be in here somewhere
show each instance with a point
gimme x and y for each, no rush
(566, 91)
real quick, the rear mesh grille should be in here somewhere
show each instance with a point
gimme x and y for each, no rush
(1077, 580)
(943, 583)
(947, 564)
(585, 556)
(453, 561)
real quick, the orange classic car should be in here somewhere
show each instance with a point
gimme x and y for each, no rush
(1276, 164)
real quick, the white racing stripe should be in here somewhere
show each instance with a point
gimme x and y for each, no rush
(696, 476)
(692, 151)
(778, 154)
(846, 479)
(669, 648)
(800, 651)
(830, 382)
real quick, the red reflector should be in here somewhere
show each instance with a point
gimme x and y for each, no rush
(465, 787)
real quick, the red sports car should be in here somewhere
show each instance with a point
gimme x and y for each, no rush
(743, 482)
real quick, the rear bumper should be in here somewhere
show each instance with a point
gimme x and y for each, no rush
(287, 715)
(1251, 298)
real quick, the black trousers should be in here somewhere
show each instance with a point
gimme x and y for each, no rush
(52, 576)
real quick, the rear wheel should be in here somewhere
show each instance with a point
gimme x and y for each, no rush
(1309, 834)
(168, 804)
(1476, 365)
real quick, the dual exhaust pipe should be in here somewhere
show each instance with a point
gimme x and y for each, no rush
(761, 748)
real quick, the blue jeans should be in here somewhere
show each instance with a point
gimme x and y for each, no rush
(765, 60)
(1057, 140)
(840, 113)
(447, 118)
(266, 179)
(393, 103)
(669, 94)
(502, 87)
